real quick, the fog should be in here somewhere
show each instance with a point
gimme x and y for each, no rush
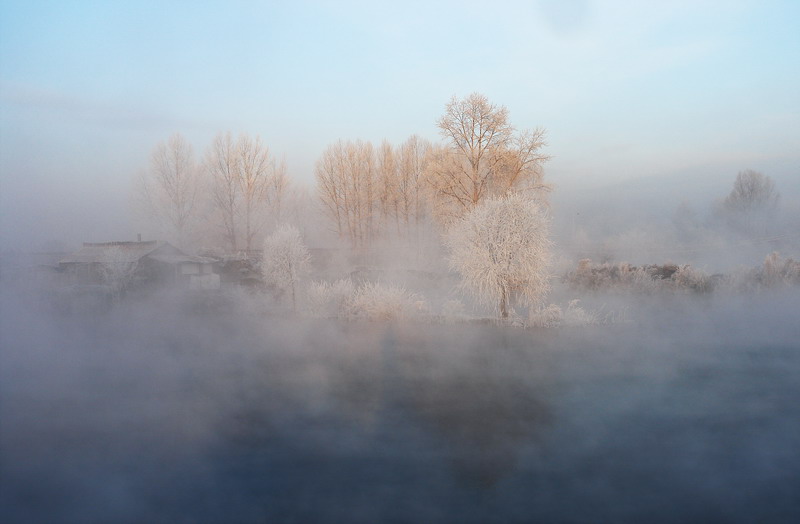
(162, 411)
(654, 381)
(334, 262)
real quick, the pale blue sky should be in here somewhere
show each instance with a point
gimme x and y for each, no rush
(625, 89)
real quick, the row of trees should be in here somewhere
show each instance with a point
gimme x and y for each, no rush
(236, 189)
(368, 190)
(365, 190)
(483, 187)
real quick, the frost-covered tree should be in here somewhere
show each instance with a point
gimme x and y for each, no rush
(170, 189)
(483, 157)
(118, 269)
(501, 249)
(286, 261)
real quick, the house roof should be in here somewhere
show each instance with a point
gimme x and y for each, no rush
(97, 252)
(182, 259)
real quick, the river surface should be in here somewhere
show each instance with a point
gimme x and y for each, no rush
(690, 412)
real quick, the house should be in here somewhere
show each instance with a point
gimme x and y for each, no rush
(148, 264)
(240, 270)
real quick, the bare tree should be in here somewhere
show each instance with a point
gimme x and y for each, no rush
(255, 168)
(330, 174)
(346, 182)
(246, 186)
(366, 191)
(501, 248)
(410, 187)
(170, 189)
(278, 190)
(286, 261)
(222, 165)
(752, 202)
(752, 192)
(388, 183)
(483, 157)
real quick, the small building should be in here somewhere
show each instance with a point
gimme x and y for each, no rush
(148, 264)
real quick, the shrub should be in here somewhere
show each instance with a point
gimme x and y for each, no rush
(330, 299)
(645, 279)
(375, 301)
(549, 316)
(686, 277)
(577, 316)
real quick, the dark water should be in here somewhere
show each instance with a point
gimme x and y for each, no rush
(152, 413)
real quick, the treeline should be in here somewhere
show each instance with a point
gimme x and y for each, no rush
(370, 191)
(775, 271)
(239, 190)
(228, 198)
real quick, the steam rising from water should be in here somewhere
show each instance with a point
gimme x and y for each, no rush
(154, 412)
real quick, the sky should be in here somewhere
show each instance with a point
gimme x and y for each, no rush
(626, 90)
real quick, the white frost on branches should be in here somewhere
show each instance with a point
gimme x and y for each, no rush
(377, 301)
(370, 301)
(118, 269)
(330, 299)
(286, 261)
(502, 250)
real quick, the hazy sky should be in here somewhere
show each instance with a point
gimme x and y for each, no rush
(625, 89)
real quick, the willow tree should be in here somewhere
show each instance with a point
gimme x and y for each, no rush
(501, 249)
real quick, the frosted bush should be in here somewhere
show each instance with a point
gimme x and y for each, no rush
(548, 316)
(330, 299)
(686, 277)
(647, 279)
(574, 315)
(777, 271)
(577, 316)
(375, 301)
(118, 269)
(641, 281)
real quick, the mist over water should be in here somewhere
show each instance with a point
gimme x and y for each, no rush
(155, 411)
(301, 262)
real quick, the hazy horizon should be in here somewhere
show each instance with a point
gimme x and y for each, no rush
(531, 261)
(626, 91)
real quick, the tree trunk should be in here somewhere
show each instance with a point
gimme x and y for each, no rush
(247, 226)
